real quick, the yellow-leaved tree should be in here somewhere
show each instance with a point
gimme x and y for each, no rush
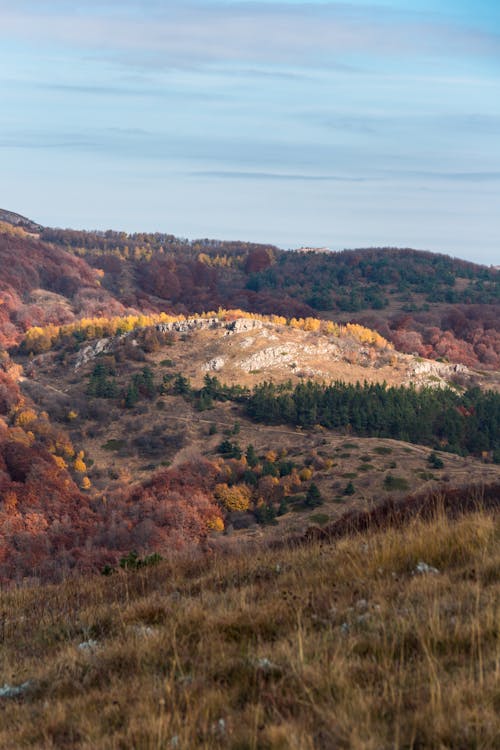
(233, 498)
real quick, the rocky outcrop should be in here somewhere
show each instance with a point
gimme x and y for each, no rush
(436, 374)
(191, 324)
(90, 352)
(19, 221)
(242, 325)
(214, 365)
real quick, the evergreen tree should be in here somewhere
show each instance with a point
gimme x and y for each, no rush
(313, 497)
(251, 456)
(181, 386)
(131, 396)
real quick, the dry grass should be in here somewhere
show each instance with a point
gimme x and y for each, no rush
(320, 646)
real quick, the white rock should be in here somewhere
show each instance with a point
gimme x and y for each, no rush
(87, 353)
(13, 691)
(214, 365)
(89, 645)
(423, 567)
(244, 324)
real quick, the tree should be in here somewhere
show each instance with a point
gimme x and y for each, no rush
(181, 386)
(235, 498)
(313, 496)
(252, 457)
(131, 396)
(435, 461)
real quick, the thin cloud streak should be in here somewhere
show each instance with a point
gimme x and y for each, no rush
(308, 34)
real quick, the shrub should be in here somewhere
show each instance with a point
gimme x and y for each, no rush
(229, 449)
(434, 461)
(395, 483)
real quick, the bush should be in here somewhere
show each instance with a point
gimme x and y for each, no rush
(382, 450)
(229, 449)
(132, 561)
(434, 461)
(395, 483)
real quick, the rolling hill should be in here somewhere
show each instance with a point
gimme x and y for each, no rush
(127, 424)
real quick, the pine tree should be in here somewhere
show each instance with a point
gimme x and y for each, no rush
(132, 396)
(313, 497)
(251, 456)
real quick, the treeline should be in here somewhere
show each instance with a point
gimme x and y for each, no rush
(356, 280)
(468, 423)
(39, 339)
(441, 418)
(144, 246)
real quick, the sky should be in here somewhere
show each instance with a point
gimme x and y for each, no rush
(339, 124)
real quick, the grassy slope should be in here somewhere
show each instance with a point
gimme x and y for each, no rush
(319, 646)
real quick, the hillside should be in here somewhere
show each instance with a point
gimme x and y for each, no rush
(16, 220)
(426, 304)
(171, 433)
(127, 425)
(42, 284)
(387, 638)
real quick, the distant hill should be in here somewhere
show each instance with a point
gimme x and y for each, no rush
(19, 221)
(427, 304)
(43, 284)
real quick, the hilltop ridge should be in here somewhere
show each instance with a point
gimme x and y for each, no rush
(10, 217)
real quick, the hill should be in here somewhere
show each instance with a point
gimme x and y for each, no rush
(135, 443)
(424, 303)
(43, 284)
(127, 425)
(19, 221)
(387, 638)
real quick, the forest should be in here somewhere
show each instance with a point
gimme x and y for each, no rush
(468, 423)
(442, 418)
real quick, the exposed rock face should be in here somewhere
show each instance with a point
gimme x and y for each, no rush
(274, 356)
(90, 352)
(244, 324)
(191, 324)
(19, 221)
(270, 357)
(434, 374)
(197, 324)
(214, 365)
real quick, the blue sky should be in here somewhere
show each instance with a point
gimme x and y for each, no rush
(346, 124)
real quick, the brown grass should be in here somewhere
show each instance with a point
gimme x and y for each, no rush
(317, 646)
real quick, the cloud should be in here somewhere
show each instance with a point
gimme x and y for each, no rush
(369, 124)
(127, 91)
(273, 176)
(192, 33)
